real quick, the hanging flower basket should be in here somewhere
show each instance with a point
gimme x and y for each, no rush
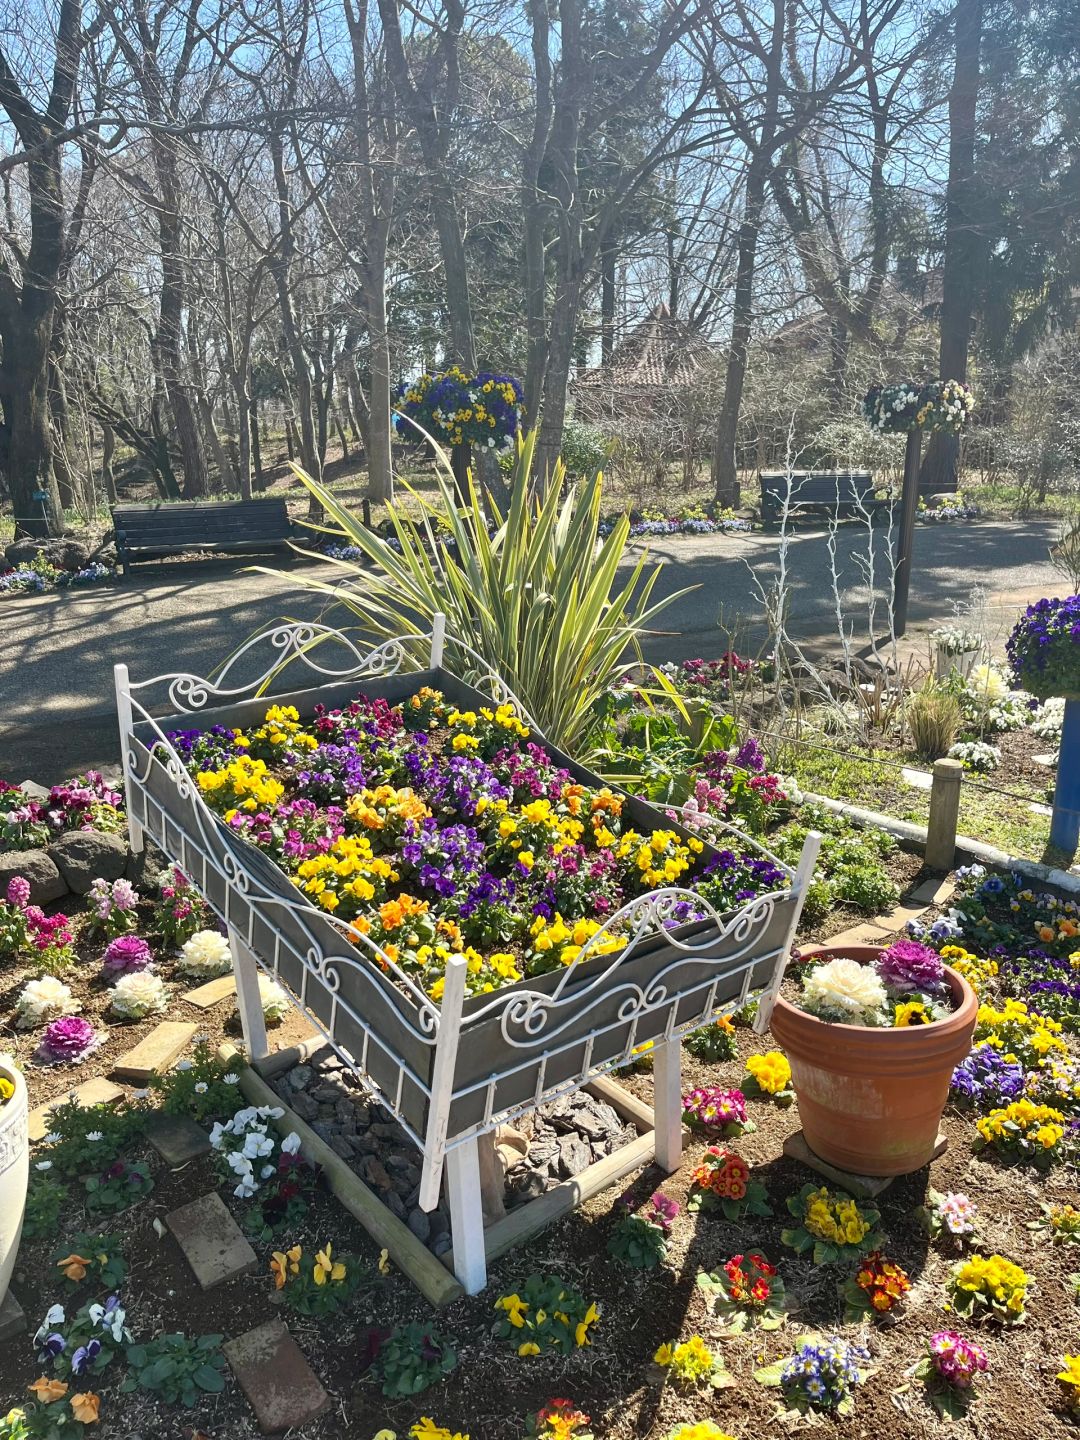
(482, 410)
(918, 405)
(14, 1166)
(1044, 649)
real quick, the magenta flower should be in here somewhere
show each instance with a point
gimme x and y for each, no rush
(907, 966)
(69, 1039)
(18, 891)
(955, 1359)
(126, 954)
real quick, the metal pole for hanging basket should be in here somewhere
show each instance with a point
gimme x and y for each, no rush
(1065, 821)
(909, 506)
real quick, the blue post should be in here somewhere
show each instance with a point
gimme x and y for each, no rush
(1065, 823)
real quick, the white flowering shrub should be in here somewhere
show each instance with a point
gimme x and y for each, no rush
(1048, 719)
(139, 994)
(249, 1150)
(976, 755)
(205, 956)
(42, 1000)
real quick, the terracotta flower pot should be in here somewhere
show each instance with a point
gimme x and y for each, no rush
(14, 1171)
(870, 1099)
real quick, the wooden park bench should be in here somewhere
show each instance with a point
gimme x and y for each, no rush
(842, 492)
(149, 532)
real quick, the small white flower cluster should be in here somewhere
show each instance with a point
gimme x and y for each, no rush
(138, 994)
(976, 755)
(955, 640)
(247, 1148)
(43, 1000)
(1048, 720)
(205, 956)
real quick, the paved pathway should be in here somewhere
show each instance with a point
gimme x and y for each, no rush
(57, 651)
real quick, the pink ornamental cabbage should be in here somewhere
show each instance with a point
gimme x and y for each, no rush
(70, 1039)
(127, 954)
(906, 966)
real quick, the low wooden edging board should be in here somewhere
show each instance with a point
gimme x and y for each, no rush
(424, 1269)
(429, 1273)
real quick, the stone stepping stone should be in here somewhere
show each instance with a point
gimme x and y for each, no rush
(1050, 761)
(863, 1187)
(98, 1091)
(279, 1384)
(870, 933)
(918, 779)
(211, 1240)
(12, 1318)
(932, 892)
(176, 1138)
(155, 1054)
(212, 993)
(1037, 809)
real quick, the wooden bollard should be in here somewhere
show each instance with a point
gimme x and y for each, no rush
(944, 814)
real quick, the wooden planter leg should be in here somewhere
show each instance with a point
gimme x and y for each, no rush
(667, 1103)
(246, 971)
(466, 1215)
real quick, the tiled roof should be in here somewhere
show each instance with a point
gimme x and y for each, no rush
(659, 353)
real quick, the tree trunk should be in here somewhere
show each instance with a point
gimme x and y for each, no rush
(963, 243)
(256, 443)
(725, 474)
(607, 302)
(26, 381)
(108, 449)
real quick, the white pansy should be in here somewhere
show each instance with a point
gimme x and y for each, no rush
(205, 955)
(291, 1144)
(94, 1136)
(43, 1165)
(842, 989)
(184, 1065)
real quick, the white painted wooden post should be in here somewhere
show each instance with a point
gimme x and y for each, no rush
(438, 639)
(442, 1080)
(804, 875)
(667, 1103)
(249, 1000)
(122, 683)
(466, 1215)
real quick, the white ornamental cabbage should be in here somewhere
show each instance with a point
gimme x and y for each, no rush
(206, 955)
(844, 990)
(138, 994)
(275, 1002)
(43, 1000)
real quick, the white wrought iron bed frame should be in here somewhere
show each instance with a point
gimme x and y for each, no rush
(531, 1020)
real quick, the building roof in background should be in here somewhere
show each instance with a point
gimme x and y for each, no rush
(659, 353)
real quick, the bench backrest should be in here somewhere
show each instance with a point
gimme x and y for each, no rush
(818, 486)
(193, 523)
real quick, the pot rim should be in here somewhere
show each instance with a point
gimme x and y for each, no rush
(878, 1035)
(19, 1099)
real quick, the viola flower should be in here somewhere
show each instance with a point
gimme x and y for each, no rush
(86, 1408)
(285, 1263)
(326, 1268)
(47, 1391)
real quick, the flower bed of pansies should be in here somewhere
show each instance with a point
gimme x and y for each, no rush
(691, 520)
(433, 830)
(801, 1299)
(40, 575)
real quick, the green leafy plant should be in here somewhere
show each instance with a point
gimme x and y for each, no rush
(412, 1358)
(208, 1089)
(118, 1188)
(713, 1043)
(547, 1315)
(46, 1199)
(83, 1139)
(176, 1368)
(537, 594)
(636, 1241)
(319, 1286)
(93, 1257)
